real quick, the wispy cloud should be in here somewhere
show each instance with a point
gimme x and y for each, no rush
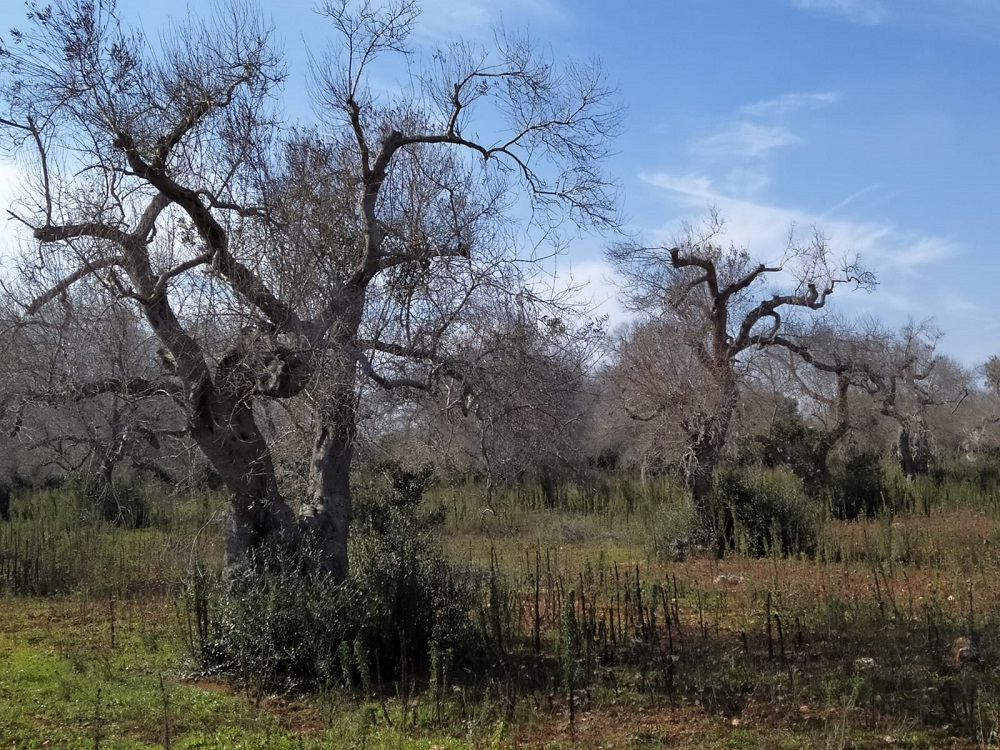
(598, 288)
(959, 302)
(863, 12)
(756, 132)
(787, 104)
(764, 228)
(851, 199)
(746, 145)
(476, 18)
(746, 181)
(979, 19)
(745, 140)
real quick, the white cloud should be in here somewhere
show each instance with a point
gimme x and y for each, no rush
(763, 228)
(754, 136)
(589, 282)
(863, 12)
(746, 181)
(458, 19)
(599, 290)
(445, 19)
(959, 302)
(745, 140)
(786, 104)
(692, 185)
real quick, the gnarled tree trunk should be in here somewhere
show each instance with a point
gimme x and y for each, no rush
(325, 516)
(913, 448)
(708, 435)
(227, 433)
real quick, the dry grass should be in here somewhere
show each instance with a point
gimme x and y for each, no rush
(850, 648)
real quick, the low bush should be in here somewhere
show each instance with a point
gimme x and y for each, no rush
(859, 487)
(764, 511)
(402, 603)
(122, 503)
(675, 524)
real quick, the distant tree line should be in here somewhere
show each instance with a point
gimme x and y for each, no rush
(207, 294)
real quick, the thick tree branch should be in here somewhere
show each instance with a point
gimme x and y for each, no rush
(384, 382)
(64, 284)
(710, 279)
(768, 309)
(748, 279)
(136, 387)
(244, 281)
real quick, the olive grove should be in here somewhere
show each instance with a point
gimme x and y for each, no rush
(276, 265)
(706, 310)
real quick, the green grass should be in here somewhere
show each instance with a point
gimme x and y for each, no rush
(80, 672)
(64, 685)
(105, 661)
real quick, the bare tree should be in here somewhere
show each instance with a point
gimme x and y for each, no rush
(908, 379)
(517, 409)
(657, 377)
(991, 374)
(721, 303)
(981, 438)
(824, 365)
(280, 265)
(74, 396)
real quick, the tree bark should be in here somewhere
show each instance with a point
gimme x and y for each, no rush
(904, 452)
(708, 440)
(708, 434)
(913, 449)
(228, 434)
(325, 517)
(698, 471)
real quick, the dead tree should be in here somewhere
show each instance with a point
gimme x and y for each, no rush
(719, 303)
(908, 378)
(827, 361)
(280, 265)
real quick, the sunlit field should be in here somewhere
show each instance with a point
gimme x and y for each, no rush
(597, 629)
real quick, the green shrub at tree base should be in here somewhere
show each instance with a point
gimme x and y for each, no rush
(858, 488)
(278, 626)
(764, 511)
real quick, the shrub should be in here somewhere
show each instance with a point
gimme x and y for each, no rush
(278, 627)
(762, 511)
(675, 524)
(122, 503)
(797, 446)
(860, 488)
(407, 595)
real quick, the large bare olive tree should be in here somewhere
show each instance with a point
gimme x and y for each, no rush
(714, 306)
(274, 264)
(912, 383)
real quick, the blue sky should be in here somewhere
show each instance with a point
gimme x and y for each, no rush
(876, 121)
